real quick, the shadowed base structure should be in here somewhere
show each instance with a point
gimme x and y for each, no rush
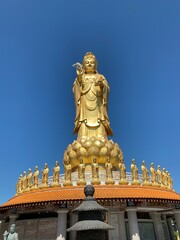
(90, 225)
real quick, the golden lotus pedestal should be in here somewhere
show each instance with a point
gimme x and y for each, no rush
(90, 149)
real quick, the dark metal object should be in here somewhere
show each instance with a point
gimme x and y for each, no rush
(90, 225)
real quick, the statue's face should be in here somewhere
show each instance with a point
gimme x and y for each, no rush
(89, 64)
(12, 229)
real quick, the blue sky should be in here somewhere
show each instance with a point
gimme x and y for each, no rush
(137, 44)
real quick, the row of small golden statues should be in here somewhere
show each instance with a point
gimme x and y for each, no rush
(159, 178)
(31, 181)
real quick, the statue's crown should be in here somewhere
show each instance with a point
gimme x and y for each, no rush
(89, 54)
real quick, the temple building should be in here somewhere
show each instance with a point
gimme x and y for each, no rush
(140, 204)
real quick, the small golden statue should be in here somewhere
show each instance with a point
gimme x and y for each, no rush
(109, 175)
(95, 173)
(29, 179)
(56, 171)
(24, 182)
(153, 175)
(159, 176)
(169, 181)
(163, 178)
(145, 176)
(134, 170)
(91, 99)
(122, 170)
(20, 184)
(45, 176)
(36, 178)
(67, 174)
(81, 173)
(166, 178)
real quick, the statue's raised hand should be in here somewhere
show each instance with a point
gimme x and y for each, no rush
(79, 68)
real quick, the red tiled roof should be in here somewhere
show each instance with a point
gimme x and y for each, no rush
(101, 192)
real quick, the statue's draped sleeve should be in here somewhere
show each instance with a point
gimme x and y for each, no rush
(77, 97)
(105, 105)
(105, 97)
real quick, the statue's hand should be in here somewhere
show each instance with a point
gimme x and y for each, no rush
(77, 65)
(99, 83)
(5, 234)
(79, 68)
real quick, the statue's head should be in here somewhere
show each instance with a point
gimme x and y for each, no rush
(12, 228)
(90, 63)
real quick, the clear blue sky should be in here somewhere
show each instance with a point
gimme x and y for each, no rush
(137, 44)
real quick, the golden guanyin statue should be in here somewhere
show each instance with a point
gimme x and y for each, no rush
(45, 175)
(109, 175)
(20, 184)
(153, 175)
(36, 178)
(145, 172)
(56, 171)
(91, 100)
(81, 173)
(29, 179)
(95, 173)
(159, 175)
(134, 171)
(92, 125)
(122, 170)
(163, 177)
(67, 174)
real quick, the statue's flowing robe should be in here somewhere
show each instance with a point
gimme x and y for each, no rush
(91, 107)
(12, 236)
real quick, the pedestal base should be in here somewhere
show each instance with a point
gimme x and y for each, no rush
(81, 183)
(136, 182)
(123, 182)
(55, 185)
(109, 182)
(95, 182)
(67, 183)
